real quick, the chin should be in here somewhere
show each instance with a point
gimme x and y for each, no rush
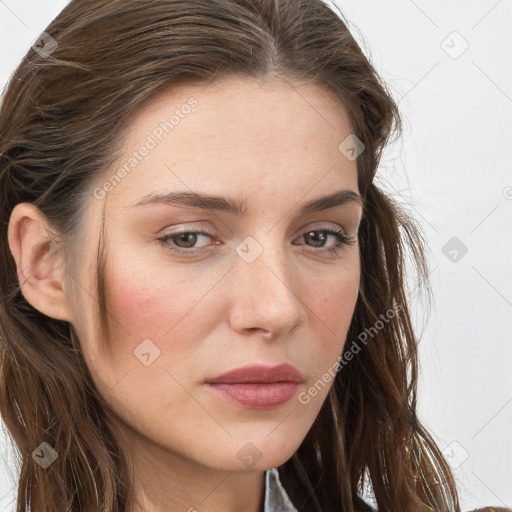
(255, 452)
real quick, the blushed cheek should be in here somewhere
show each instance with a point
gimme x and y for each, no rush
(141, 308)
(164, 308)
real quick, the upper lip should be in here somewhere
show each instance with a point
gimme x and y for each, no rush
(259, 374)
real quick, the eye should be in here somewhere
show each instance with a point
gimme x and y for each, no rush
(184, 240)
(318, 237)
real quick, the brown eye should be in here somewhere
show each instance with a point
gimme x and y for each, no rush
(319, 237)
(187, 239)
(318, 240)
(183, 240)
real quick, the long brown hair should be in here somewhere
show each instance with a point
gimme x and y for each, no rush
(60, 119)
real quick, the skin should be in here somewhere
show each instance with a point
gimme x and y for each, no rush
(276, 147)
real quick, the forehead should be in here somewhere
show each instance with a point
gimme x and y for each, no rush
(235, 135)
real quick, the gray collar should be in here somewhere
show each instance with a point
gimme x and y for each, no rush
(276, 499)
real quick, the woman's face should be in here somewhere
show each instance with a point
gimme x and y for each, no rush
(197, 287)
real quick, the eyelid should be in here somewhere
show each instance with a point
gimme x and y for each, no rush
(319, 225)
(198, 227)
(185, 228)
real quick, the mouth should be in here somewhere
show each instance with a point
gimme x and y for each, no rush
(258, 386)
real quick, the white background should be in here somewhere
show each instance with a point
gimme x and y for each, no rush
(452, 169)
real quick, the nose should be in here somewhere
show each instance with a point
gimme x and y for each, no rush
(266, 296)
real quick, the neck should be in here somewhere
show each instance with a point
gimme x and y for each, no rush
(166, 481)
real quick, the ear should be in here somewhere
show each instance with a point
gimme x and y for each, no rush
(39, 255)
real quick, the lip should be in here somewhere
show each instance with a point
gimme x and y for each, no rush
(259, 374)
(257, 386)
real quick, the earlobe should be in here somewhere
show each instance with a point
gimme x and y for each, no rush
(39, 255)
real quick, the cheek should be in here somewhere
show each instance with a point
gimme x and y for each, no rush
(331, 306)
(166, 306)
(333, 299)
(157, 322)
(330, 312)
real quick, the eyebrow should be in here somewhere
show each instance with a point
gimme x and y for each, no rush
(238, 207)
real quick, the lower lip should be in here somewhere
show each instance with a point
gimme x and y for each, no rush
(254, 395)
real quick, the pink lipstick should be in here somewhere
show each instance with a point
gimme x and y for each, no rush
(258, 386)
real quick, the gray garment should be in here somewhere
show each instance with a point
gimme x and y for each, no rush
(276, 499)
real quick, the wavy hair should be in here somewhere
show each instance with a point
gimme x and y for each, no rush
(60, 120)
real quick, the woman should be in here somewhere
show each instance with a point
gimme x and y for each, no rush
(203, 302)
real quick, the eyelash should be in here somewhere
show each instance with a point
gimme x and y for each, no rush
(343, 239)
